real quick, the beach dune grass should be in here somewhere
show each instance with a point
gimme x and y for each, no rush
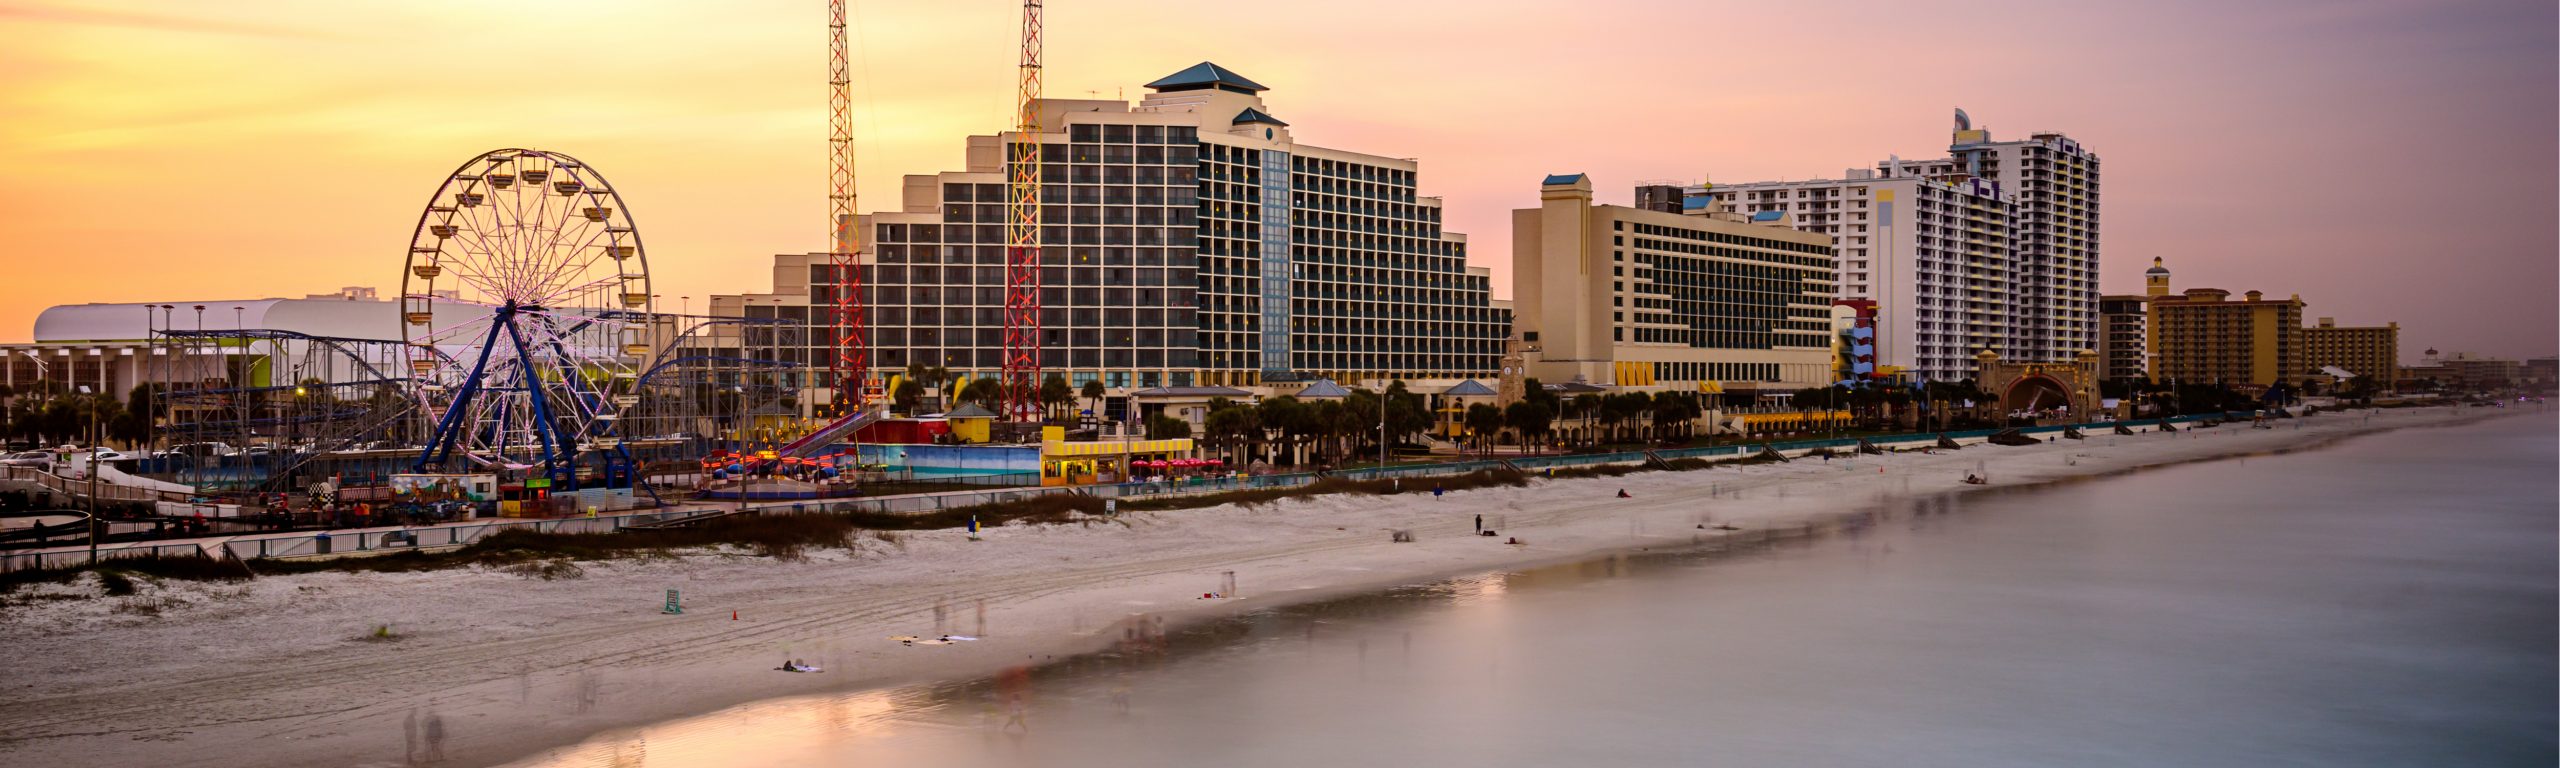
(116, 576)
(779, 535)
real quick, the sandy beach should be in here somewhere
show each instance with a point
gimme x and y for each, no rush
(282, 671)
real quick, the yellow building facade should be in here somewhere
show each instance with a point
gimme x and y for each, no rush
(2372, 351)
(2203, 336)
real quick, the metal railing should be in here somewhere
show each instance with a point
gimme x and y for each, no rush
(106, 490)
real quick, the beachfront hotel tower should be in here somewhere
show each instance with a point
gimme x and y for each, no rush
(1934, 254)
(1186, 239)
(2054, 272)
(1991, 248)
(2123, 354)
(2203, 336)
(1643, 299)
(2372, 350)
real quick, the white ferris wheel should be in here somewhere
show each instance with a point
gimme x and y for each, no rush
(527, 312)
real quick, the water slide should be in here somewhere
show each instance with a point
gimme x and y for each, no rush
(811, 444)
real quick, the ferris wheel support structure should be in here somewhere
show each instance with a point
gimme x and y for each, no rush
(526, 266)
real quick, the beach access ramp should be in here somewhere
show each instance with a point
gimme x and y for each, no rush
(811, 444)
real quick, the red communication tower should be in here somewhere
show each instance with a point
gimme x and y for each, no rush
(852, 364)
(1022, 233)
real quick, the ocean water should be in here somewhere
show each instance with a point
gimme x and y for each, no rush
(2388, 601)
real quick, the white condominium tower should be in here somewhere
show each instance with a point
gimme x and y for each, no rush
(2055, 315)
(1993, 247)
(1934, 254)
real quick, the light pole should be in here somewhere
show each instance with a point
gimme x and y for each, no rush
(1831, 410)
(1382, 431)
(1128, 422)
(40, 366)
(142, 368)
(240, 384)
(192, 363)
(94, 466)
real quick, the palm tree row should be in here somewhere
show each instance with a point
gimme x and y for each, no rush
(47, 414)
(1325, 431)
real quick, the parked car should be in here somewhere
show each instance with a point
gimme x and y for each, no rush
(36, 459)
(200, 449)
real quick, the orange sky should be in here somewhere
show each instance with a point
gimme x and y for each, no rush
(2386, 160)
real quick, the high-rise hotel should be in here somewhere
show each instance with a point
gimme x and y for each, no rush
(1185, 239)
(1643, 299)
(1994, 247)
(2055, 272)
(1933, 253)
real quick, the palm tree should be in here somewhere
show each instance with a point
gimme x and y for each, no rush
(1586, 407)
(1330, 424)
(1056, 395)
(1617, 409)
(1166, 426)
(1093, 392)
(1407, 414)
(908, 395)
(1484, 424)
(938, 377)
(1231, 424)
(1286, 414)
(1529, 419)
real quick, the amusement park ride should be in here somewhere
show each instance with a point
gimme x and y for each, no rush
(535, 370)
(532, 348)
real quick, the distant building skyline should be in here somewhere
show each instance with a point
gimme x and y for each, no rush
(224, 147)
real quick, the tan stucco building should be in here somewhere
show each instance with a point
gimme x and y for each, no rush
(1629, 297)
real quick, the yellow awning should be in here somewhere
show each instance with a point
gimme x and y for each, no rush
(1756, 419)
(1055, 449)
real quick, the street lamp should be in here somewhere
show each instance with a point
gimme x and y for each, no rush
(40, 366)
(94, 439)
(1382, 431)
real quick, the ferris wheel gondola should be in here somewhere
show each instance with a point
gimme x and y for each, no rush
(526, 310)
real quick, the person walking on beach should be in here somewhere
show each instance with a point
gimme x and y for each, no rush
(1479, 525)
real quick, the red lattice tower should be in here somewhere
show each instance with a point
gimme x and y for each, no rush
(852, 364)
(1022, 235)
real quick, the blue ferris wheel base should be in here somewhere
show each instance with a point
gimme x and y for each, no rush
(557, 452)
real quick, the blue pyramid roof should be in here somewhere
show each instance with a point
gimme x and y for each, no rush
(1470, 388)
(1251, 115)
(1206, 75)
(1562, 178)
(1323, 389)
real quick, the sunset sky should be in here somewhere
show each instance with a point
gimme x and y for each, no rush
(2385, 160)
